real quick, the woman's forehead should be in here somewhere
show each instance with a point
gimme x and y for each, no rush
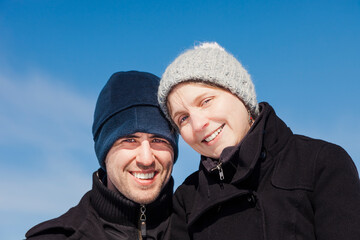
(199, 82)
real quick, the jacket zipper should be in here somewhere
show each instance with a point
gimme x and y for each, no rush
(220, 169)
(142, 222)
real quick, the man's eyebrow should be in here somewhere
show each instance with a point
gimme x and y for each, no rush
(159, 137)
(156, 136)
(130, 136)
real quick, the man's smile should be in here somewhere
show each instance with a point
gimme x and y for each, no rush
(143, 176)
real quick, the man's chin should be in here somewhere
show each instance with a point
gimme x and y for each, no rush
(146, 196)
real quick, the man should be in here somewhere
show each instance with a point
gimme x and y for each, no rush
(136, 148)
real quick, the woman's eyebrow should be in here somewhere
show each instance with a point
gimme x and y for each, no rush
(173, 116)
(193, 101)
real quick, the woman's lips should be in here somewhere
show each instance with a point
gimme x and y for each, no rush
(214, 134)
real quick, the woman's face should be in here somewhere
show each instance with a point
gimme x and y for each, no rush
(209, 118)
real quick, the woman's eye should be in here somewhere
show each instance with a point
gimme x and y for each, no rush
(206, 100)
(182, 119)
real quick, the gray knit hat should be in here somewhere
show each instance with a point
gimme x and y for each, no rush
(209, 63)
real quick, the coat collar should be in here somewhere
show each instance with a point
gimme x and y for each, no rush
(267, 136)
(115, 207)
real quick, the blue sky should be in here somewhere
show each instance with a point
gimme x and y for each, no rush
(55, 56)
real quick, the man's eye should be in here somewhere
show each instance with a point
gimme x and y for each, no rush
(129, 140)
(159, 140)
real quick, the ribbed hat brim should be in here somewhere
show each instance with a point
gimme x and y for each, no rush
(146, 119)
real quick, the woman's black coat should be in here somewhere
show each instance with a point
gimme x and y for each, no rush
(276, 185)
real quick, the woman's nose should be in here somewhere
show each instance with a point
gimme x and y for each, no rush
(199, 121)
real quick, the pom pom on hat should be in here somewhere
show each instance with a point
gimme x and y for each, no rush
(209, 45)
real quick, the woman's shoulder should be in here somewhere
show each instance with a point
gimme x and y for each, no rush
(303, 159)
(319, 151)
(190, 184)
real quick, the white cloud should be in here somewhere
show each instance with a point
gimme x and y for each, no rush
(35, 106)
(40, 115)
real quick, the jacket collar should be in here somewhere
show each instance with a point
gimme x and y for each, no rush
(267, 136)
(115, 207)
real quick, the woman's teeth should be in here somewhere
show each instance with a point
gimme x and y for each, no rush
(144, 176)
(212, 136)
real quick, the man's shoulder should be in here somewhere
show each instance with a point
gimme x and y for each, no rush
(63, 226)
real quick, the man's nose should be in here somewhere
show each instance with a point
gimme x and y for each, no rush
(145, 155)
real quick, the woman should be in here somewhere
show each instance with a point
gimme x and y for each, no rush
(256, 180)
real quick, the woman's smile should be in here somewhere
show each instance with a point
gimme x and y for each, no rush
(214, 134)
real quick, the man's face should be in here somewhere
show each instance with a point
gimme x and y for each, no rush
(139, 166)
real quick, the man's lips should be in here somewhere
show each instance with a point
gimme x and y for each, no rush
(144, 175)
(214, 134)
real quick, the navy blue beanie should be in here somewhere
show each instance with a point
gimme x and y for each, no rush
(128, 104)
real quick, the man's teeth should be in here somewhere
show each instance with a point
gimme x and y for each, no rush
(212, 136)
(144, 175)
